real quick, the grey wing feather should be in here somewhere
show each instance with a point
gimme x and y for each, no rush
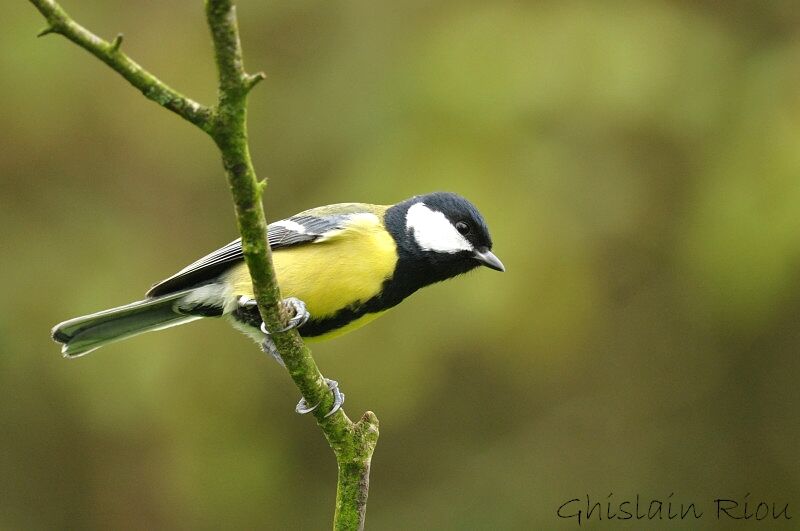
(302, 228)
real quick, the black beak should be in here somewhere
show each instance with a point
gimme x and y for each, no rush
(487, 258)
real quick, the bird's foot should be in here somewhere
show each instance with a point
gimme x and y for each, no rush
(249, 309)
(338, 399)
(299, 318)
(298, 308)
(247, 302)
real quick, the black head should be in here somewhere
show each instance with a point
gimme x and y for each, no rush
(440, 235)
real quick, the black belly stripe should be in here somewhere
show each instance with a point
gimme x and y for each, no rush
(314, 327)
(407, 280)
(414, 269)
(318, 327)
(391, 295)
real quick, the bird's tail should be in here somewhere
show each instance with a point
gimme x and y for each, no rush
(82, 335)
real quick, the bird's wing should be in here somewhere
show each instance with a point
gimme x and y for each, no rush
(305, 227)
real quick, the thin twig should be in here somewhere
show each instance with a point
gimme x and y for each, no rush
(58, 21)
(226, 123)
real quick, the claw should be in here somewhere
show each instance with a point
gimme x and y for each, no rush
(247, 302)
(338, 399)
(301, 314)
(298, 308)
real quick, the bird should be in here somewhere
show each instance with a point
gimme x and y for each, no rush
(339, 267)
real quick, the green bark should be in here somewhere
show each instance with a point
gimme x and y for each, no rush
(226, 123)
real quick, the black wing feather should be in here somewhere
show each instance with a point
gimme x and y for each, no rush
(279, 235)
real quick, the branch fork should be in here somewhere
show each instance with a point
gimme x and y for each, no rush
(226, 123)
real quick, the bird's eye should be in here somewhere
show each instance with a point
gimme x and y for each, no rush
(462, 227)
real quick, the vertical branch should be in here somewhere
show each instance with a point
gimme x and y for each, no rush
(226, 123)
(229, 131)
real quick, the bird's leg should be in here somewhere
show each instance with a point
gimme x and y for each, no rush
(301, 315)
(248, 312)
(338, 399)
(268, 346)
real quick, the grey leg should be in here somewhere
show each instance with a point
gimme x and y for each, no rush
(301, 315)
(268, 346)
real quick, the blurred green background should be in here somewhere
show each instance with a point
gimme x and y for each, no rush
(638, 163)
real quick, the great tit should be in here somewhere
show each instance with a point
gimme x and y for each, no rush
(340, 266)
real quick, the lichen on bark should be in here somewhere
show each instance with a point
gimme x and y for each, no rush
(226, 123)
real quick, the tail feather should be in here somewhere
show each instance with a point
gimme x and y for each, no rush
(82, 335)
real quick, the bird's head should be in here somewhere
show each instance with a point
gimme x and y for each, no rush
(441, 235)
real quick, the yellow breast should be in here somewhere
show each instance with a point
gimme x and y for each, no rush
(343, 269)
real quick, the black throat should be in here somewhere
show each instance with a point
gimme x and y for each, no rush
(415, 269)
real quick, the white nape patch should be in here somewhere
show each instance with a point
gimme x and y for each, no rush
(433, 231)
(290, 225)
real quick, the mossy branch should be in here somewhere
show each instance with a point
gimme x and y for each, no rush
(226, 123)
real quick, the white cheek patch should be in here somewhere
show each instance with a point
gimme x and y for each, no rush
(433, 231)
